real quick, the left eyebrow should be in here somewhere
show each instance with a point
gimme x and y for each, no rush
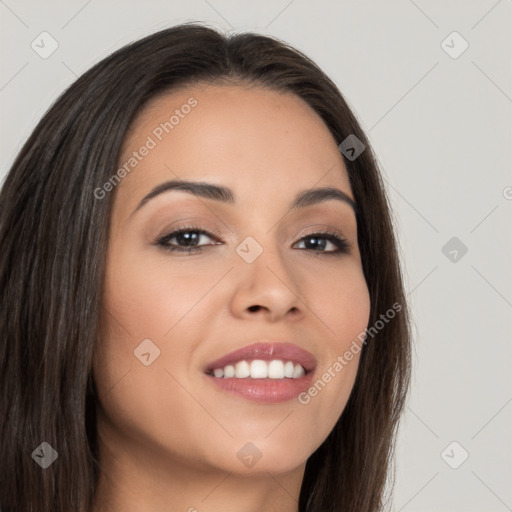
(219, 193)
(319, 195)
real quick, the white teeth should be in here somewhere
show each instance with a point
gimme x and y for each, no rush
(276, 369)
(242, 370)
(229, 371)
(259, 369)
(288, 369)
(298, 371)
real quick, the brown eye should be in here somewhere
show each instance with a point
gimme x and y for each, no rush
(185, 239)
(317, 242)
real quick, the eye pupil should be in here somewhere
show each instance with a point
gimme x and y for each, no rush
(317, 242)
(187, 237)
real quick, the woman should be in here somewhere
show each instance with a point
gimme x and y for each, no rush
(202, 304)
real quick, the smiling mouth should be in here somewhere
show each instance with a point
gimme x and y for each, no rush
(259, 369)
(260, 381)
(267, 372)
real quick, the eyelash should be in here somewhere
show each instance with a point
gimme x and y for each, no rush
(342, 244)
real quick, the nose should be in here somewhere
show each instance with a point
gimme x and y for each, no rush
(266, 289)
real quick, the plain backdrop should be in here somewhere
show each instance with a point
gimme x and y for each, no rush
(439, 116)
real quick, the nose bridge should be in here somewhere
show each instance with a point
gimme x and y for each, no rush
(263, 239)
(261, 251)
(264, 279)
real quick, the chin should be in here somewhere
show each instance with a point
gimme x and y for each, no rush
(262, 456)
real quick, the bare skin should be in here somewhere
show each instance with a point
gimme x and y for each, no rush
(168, 437)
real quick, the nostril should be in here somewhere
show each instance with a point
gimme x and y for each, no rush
(254, 308)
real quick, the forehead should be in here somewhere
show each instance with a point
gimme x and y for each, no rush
(249, 138)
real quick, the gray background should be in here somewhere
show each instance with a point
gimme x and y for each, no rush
(441, 128)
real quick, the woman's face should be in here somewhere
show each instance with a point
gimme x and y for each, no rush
(257, 276)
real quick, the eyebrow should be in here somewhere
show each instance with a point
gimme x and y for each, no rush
(219, 193)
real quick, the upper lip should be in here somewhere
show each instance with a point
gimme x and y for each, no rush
(267, 351)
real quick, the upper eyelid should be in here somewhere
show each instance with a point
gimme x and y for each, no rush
(185, 229)
(316, 228)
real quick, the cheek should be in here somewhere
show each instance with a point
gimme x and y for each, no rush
(156, 302)
(142, 302)
(344, 307)
(149, 299)
(344, 311)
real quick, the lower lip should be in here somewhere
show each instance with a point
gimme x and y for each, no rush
(269, 391)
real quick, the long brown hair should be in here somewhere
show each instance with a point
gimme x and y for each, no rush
(53, 239)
